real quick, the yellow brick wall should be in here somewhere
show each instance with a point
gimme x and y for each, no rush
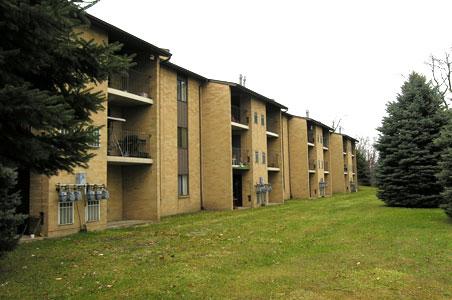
(298, 153)
(337, 163)
(115, 203)
(285, 156)
(216, 146)
(170, 202)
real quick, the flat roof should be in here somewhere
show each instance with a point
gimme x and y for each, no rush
(184, 71)
(248, 91)
(128, 38)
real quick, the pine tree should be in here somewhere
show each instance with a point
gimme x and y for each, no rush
(408, 157)
(445, 163)
(45, 103)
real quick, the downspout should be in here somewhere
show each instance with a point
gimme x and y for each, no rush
(201, 182)
(288, 150)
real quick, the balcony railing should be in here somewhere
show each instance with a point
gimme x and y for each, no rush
(311, 138)
(345, 168)
(239, 115)
(326, 166)
(273, 161)
(240, 157)
(128, 143)
(131, 81)
(312, 164)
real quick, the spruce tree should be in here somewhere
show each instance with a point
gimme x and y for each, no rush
(408, 159)
(45, 104)
(445, 163)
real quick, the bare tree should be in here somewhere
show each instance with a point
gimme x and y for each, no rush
(366, 147)
(441, 69)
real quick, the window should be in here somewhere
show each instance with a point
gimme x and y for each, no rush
(93, 211)
(262, 120)
(65, 213)
(256, 157)
(181, 89)
(182, 138)
(264, 159)
(96, 139)
(183, 185)
(256, 118)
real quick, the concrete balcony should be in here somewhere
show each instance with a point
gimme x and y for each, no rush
(130, 88)
(312, 165)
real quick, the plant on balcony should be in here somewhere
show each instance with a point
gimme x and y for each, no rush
(47, 71)
(408, 157)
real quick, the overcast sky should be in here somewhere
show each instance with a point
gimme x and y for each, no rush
(338, 59)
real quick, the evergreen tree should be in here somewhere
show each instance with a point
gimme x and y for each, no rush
(45, 103)
(445, 163)
(363, 168)
(408, 158)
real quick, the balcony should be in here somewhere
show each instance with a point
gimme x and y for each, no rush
(273, 163)
(129, 88)
(272, 128)
(326, 166)
(345, 169)
(312, 165)
(311, 138)
(126, 147)
(240, 159)
(239, 118)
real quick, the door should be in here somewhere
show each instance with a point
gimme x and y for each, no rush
(237, 190)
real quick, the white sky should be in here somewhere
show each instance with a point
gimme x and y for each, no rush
(339, 59)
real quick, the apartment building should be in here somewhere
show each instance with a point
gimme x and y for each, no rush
(241, 136)
(175, 142)
(310, 158)
(343, 158)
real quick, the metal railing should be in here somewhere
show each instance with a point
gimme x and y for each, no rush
(326, 166)
(128, 143)
(273, 161)
(239, 115)
(311, 138)
(131, 81)
(240, 157)
(312, 164)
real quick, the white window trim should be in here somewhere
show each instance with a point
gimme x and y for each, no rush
(59, 214)
(86, 212)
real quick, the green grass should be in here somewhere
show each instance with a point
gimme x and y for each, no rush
(348, 246)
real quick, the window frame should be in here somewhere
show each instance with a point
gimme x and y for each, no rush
(87, 207)
(180, 187)
(69, 204)
(256, 157)
(256, 118)
(262, 120)
(264, 158)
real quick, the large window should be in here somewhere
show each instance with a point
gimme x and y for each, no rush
(183, 185)
(181, 89)
(65, 213)
(93, 211)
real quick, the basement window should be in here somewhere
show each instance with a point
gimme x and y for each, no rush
(65, 213)
(93, 211)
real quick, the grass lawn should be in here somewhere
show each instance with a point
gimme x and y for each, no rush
(348, 246)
